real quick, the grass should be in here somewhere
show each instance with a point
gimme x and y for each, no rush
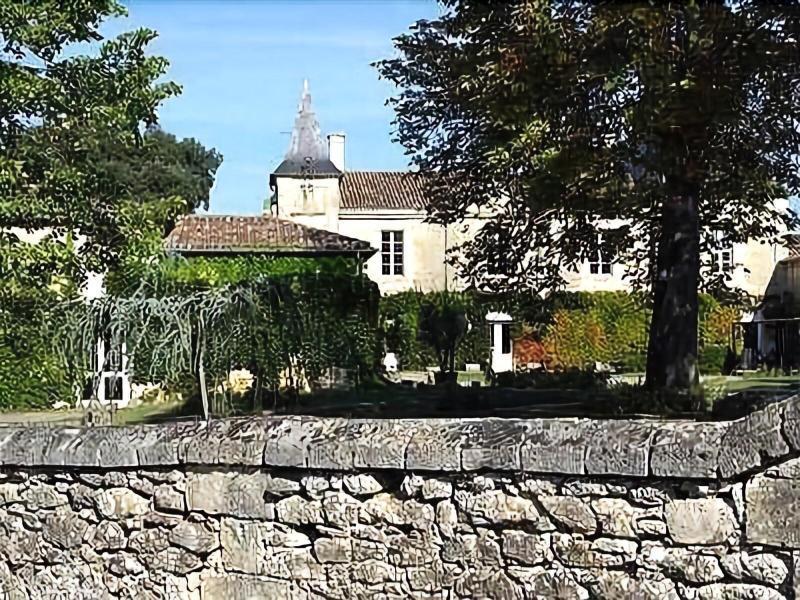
(382, 401)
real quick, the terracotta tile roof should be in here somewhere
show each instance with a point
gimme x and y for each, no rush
(218, 234)
(375, 190)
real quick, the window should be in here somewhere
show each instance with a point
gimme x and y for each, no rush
(498, 264)
(307, 189)
(722, 260)
(602, 264)
(392, 252)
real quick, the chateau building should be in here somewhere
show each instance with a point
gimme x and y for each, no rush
(387, 209)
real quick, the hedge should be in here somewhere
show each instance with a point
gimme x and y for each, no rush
(568, 330)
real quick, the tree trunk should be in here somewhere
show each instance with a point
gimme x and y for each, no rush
(672, 347)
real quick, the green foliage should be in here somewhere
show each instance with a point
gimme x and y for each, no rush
(231, 270)
(577, 329)
(34, 278)
(76, 169)
(400, 327)
(161, 166)
(605, 327)
(287, 329)
(442, 324)
(675, 120)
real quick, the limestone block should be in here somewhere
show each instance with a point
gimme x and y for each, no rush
(229, 493)
(108, 536)
(158, 445)
(573, 513)
(362, 484)
(120, 503)
(374, 572)
(412, 549)
(328, 445)
(617, 517)
(648, 496)
(495, 506)
(333, 550)
(738, 591)
(492, 443)
(315, 486)
(286, 440)
(557, 584)
(748, 439)
(194, 537)
(436, 489)
(691, 566)
(340, 509)
(772, 506)
(487, 583)
(291, 563)
(555, 446)
(435, 446)
(166, 498)
(432, 577)
(527, 548)
(701, 521)
(369, 550)
(380, 443)
(759, 566)
(11, 588)
(600, 553)
(791, 421)
(619, 447)
(687, 450)
(299, 511)
(64, 529)
(580, 488)
(37, 496)
(385, 508)
(618, 585)
(173, 560)
(446, 518)
(281, 486)
(243, 442)
(244, 587)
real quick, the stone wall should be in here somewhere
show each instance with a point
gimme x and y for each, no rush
(479, 508)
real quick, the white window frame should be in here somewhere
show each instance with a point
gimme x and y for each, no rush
(392, 247)
(723, 260)
(603, 265)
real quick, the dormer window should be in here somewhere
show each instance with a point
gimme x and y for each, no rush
(307, 189)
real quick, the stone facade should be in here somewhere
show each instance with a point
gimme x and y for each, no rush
(303, 507)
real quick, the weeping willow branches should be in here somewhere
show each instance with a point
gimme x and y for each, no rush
(282, 329)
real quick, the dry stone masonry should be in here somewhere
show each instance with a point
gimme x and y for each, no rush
(300, 507)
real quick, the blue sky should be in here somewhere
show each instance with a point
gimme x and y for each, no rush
(242, 63)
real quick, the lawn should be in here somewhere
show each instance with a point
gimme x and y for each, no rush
(735, 396)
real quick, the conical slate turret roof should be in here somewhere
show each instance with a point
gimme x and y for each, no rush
(307, 154)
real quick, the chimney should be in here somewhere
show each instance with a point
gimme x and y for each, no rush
(336, 150)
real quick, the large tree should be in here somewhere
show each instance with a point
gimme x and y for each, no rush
(675, 122)
(58, 107)
(81, 166)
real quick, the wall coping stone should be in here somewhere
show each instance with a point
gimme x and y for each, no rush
(577, 446)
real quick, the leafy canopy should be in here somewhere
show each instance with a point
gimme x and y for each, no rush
(558, 118)
(60, 109)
